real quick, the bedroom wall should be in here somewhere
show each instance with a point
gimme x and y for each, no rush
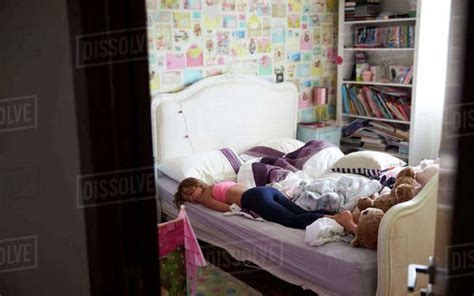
(193, 39)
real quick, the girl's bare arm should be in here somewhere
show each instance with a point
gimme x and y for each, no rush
(215, 205)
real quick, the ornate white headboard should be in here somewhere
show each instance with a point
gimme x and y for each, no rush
(234, 111)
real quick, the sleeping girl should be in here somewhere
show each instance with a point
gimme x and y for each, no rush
(267, 202)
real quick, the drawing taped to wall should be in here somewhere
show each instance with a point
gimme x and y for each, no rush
(163, 37)
(254, 28)
(194, 56)
(175, 61)
(264, 45)
(229, 21)
(192, 4)
(306, 41)
(265, 66)
(182, 20)
(169, 4)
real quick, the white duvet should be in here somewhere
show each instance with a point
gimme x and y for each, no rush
(335, 192)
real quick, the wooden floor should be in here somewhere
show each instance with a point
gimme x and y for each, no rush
(252, 275)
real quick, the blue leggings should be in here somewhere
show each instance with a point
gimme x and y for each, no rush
(272, 205)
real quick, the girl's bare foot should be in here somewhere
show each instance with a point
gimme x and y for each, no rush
(346, 220)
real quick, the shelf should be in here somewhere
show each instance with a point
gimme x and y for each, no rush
(381, 21)
(349, 147)
(376, 118)
(377, 83)
(377, 49)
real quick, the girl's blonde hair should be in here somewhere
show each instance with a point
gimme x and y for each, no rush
(186, 183)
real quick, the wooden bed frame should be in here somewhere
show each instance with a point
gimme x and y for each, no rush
(406, 234)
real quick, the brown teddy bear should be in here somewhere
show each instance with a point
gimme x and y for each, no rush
(368, 228)
(373, 209)
(403, 190)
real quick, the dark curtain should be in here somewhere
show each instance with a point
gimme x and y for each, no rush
(113, 108)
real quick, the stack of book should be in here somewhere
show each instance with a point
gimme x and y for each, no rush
(361, 9)
(349, 9)
(373, 135)
(379, 102)
(399, 36)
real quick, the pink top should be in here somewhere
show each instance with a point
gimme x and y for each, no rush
(219, 190)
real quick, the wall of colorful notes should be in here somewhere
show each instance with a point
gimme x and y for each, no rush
(193, 39)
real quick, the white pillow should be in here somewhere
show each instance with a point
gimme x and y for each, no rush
(368, 163)
(210, 167)
(322, 161)
(282, 146)
(285, 145)
(245, 176)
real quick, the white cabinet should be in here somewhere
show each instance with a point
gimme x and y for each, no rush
(428, 56)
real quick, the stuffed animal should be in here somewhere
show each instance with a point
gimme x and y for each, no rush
(373, 209)
(368, 228)
(403, 190)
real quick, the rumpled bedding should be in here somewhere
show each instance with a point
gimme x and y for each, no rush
(335, 193)
(325, 230)
(311, 160)
(295, 175)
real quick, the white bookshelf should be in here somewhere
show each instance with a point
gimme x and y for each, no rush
(428, 57)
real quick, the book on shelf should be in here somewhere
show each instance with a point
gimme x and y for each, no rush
(394, 108)
(377, 147)
(375, 102)
(351, 141)
(369, 9)
(354, 126)
(395, 36)
(367, 110)
(369, 134)
(373, 105)
(390, 129)
(411, 36)
(379, 101)
(361, 10)
(365, 133)
(409, 76)
(388, 136)
(394, 91)
(368, 140)
(403, 148)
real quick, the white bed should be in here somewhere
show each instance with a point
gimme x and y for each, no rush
(241, 111)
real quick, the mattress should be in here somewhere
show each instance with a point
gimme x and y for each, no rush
(332, 269)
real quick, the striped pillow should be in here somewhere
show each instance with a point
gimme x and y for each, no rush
(367, 163)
